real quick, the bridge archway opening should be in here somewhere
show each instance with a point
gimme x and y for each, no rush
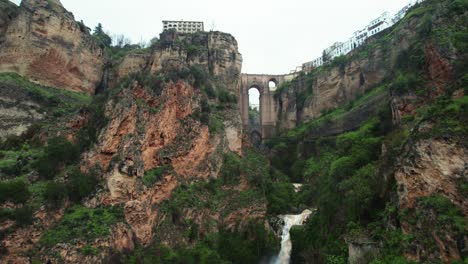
(272, 84)
(254, 107)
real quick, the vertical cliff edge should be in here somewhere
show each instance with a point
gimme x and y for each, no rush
(41, 41)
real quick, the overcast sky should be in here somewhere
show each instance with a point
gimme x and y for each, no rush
(274, 36)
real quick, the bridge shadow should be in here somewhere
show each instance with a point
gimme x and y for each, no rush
(255, 137)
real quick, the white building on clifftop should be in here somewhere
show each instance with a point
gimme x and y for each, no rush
(183, 26)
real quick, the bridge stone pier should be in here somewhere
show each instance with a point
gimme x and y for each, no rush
(268, 115)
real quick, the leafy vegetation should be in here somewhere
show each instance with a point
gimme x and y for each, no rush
(153, 176)
(15, 191)
(231, 170)
(57, 153)
(23, 216)
(80, 185)
(224, 247)
(344, 172)
(82, 223)
(215, 124)
(54, 194)
(100, 37)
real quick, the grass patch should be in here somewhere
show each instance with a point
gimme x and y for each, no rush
(84, 224)
(48, 96)
(153, 176)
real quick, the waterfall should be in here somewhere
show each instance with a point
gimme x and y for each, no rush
(297, 186)
(286, 244)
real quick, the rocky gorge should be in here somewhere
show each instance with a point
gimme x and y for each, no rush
(138, 155)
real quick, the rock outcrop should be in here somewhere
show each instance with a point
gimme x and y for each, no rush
(45, 44)
(18, 111)
(330, 89)
(8, 11)
(215, 51)
(156, 124)
(432, 168)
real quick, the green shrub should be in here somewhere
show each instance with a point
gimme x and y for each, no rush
(281, 197)
(11, 142)
(97, 120)
(88, 250)
(425, 28)
(458, 6)
(101, 38)
(5, 214)
(256, 168)
(446, 212)
(203, 253)
(199, 75)
(411, 60)
(57, 153)
(231, 170)
(247, 247)
(23, 216)
(13, 168)
(55, 193)
(207, 88)
(343, 167)
(15, 191)
(297, 170)
(405, 83)
(155, 175)
(340, 62)
(359, 191)
(226, 97)
(80, 185)
(215, 125)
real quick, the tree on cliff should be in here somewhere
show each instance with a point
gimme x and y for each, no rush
(101, 37)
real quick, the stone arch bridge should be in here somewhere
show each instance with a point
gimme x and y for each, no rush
(268, 113)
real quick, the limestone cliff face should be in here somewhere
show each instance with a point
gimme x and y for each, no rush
(215, 51)
(45, 44)
(8, 11)
(156, 124)
(18, 111)
(331, 89)
(432, 167)
(359, 72)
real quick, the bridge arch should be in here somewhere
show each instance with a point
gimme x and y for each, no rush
(272, 84)
(268, 115)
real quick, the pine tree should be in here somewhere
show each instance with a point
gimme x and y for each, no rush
(101, 37)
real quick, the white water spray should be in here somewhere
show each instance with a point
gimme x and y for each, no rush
(297, 186)
(286, 244)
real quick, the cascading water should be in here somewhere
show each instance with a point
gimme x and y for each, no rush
(286, 245)
(297, 186)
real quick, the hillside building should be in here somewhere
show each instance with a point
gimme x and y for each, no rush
(359, 37)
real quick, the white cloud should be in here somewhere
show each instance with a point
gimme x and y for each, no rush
(274, 36)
